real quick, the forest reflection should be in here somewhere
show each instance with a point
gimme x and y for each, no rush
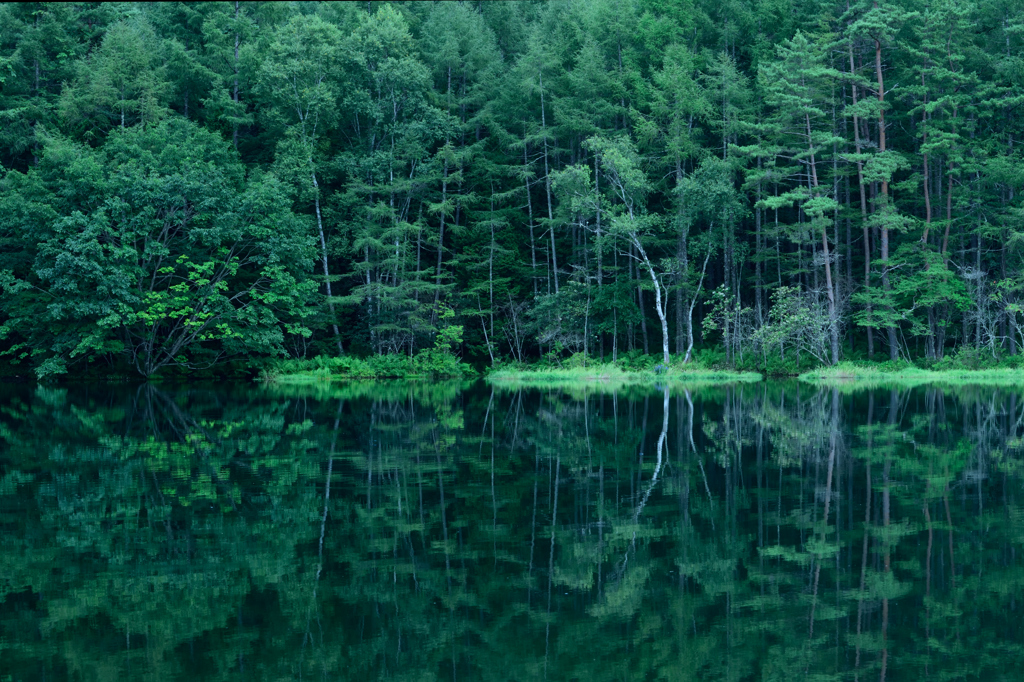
(451, 531)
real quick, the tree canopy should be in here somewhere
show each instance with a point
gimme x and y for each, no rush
(186, 183)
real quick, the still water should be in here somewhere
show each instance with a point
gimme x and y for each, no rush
(771, 531)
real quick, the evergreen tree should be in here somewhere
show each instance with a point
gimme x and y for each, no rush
(441, 152)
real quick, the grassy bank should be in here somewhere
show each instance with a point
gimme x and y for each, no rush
(632, 370)
(612, 374)
(867, 376)
(428, 364)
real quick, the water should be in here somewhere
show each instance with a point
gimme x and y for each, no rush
(393, 531)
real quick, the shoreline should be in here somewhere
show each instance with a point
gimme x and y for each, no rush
(856, 376)
(607, 374)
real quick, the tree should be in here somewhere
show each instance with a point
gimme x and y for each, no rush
(172, 257)
(391, 170)
(628, 219)
(708, 197)
(120, 84)
(798, 85)
(299, 77)
(679, 102)
(441, 152)
(879, 24)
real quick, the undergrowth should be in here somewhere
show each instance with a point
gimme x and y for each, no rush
(429, 363)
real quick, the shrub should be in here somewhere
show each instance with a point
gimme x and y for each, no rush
(966, 357)
(439, 363)
(431, 362)
(635, 361)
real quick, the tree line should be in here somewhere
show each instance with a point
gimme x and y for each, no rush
(766, 184)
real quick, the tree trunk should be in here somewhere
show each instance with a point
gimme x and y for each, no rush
(529, 207)
(547, 184)
(758, 283)
(977, 269)
(323, 262)
(891, 330)
(833, 331)
(660, 303)
(949, 210)
(689, 311)
(598, 245)
(490, 271)
(440, 242)
(615, 309)
(929, 347)
(643, 313)
(680, 324)
(234, 96)
(863, 212)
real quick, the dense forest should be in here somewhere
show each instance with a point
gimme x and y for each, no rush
(758, 183)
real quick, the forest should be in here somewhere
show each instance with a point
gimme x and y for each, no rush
(754, 184)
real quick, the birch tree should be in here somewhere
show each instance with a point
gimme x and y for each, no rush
(300, 77)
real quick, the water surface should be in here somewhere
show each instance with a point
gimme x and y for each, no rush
(443, 531)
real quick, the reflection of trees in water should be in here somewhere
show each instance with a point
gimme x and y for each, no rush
(757, 531)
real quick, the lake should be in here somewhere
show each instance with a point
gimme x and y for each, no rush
(769, 531)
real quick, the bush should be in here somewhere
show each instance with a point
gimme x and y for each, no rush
(966, 357)
(776, 366)
(711, 358)
(577, 360)
(432, 362)
(635, 361)
(390, 366)
(894, 366)
(438, 363)
(969, 358)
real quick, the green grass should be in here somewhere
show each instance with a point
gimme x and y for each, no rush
(866, 376)
(427, 364)
(613, 375)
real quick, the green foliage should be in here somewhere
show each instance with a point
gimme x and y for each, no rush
(797, 323)
(639, 371)
(584, 178)
(946, 373)
(563, 320)
(634, 360)
(967, 358)
(432, 363)
(120, 84)
(206, 532)
(160, 252)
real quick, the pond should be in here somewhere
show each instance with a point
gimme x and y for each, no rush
(768, 531)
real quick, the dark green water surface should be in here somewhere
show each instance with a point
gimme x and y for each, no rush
(771, 531)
